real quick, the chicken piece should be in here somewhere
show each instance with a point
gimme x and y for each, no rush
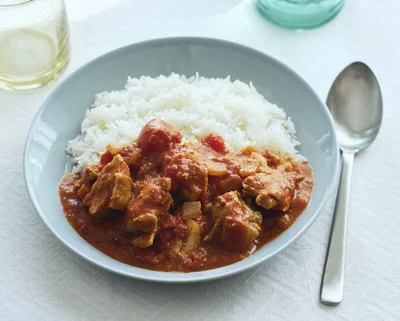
(261, 162)
(122, 192)
(274, 190)
(83, 190)
(256, 163)
(132, 155)
(144, 240)
(273, 160)
(231, 183)
(112, 189)
(84, 185)
(144, 222)
(238, 235)
(189, 177)
(236, 225)
(113, 150)
(142, 213)
(91, 173)
(157, 136)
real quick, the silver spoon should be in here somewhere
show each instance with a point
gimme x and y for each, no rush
(355, 102)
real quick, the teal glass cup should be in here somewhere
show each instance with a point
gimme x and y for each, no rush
(299, 14)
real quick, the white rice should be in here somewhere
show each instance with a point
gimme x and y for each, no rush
(195, 106)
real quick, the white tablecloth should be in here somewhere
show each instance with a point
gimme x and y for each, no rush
(40, 279)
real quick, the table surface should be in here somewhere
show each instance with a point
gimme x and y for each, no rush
(43, 280)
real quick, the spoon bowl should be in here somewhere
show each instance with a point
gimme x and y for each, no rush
(355, 102)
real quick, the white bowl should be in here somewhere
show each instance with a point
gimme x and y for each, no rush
(61, 114)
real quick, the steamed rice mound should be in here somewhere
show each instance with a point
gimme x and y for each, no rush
(195, 106)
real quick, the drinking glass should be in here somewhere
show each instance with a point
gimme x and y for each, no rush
(34, 42)
(299, 14)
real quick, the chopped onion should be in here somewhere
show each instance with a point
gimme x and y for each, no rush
(216, 169)
(249, 167)
(191, 209)
(193, 240)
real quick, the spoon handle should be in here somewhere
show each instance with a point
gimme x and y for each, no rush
(333, 275)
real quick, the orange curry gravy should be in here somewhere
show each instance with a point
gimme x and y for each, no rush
(162, 205)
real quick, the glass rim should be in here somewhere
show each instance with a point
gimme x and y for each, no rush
(16, 4)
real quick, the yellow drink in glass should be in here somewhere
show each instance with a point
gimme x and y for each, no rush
(34, 42)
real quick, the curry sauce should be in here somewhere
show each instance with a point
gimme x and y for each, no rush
(163, 205)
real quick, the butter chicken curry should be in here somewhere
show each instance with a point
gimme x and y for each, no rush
(164, 205)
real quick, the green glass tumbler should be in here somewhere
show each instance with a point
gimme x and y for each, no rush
(299, 14)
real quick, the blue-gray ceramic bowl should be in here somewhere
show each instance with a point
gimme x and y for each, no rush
(61, 114)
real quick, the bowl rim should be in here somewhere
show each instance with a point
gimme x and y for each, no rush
(176, 277)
